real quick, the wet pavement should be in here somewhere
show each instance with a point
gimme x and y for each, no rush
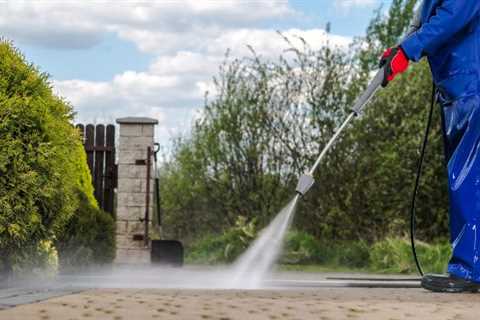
(170, 294)
(318, 303)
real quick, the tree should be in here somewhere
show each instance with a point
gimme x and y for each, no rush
(268, 123)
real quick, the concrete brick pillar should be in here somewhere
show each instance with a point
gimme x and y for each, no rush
(136, 135)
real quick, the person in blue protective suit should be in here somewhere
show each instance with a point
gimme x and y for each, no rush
(449, 36)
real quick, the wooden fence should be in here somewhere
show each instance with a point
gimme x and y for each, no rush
(99, 143)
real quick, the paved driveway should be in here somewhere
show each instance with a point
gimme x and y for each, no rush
(190, 294)
(321, 303)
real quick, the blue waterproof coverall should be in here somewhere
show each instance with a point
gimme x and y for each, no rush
(450, 38)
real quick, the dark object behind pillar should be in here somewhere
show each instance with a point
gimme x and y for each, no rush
(167, 252)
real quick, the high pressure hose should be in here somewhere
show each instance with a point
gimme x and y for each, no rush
(417, 181)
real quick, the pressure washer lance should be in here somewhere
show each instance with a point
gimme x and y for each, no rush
(306, 181)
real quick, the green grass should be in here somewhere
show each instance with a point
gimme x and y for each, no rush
(313, 268)
(394, 255)
(303, 252)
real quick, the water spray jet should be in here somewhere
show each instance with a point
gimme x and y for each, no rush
(251, 268)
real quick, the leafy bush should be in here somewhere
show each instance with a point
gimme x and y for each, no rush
(395, 255)
(353, 254)
(300, 248)
(303, 248)
(392, 255)
(225, 247)
(42, 162)
(88, 238)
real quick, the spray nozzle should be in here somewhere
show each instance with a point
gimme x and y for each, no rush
(304, 184)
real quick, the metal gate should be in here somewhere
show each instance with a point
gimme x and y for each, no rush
(99, 143)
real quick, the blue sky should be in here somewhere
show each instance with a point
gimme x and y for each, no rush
(124, 58)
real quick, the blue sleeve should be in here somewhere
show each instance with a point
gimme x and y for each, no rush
(450, 17)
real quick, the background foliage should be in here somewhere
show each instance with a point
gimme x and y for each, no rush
(304, 252)
(265, 126)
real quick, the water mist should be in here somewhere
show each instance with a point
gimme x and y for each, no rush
(253, 266)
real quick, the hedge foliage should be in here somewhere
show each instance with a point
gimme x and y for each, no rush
(43, 165)
(89, 236)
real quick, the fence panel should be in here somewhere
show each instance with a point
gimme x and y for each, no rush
(99, 171)
(89, 145)
(99, 144)
(110, 169)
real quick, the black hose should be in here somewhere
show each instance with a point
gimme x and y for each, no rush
(157, 187)
(417, 181)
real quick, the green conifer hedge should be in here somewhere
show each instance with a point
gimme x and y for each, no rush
(43, 166)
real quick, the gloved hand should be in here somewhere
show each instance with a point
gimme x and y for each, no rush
(395, 62)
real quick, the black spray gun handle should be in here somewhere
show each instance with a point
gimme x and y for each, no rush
(377, 81)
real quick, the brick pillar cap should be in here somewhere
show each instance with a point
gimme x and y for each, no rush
(137, 120)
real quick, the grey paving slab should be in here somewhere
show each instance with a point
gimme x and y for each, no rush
(12, 297)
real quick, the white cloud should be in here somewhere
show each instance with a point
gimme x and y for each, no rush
(173, 87)
(188, 39)
(77, 24)
(347, 4)
(268, 43)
